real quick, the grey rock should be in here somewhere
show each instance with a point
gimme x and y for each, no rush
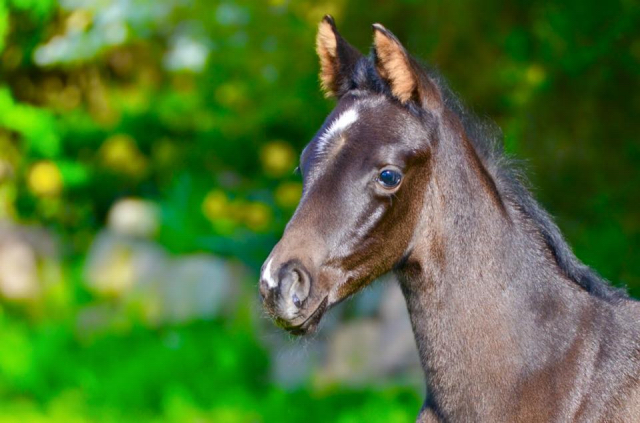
(28, 262)
(166, 289)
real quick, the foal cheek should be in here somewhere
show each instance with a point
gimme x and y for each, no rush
(377, 249)
(395, 230)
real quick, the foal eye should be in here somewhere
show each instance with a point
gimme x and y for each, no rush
(389, 178)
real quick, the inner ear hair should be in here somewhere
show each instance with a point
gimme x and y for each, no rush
(393, 64)
(405, 79)
(327, 48)
(338, 59)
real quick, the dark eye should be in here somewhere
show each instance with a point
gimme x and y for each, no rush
(389, 178)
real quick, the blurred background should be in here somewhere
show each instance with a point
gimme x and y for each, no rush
(147, 151)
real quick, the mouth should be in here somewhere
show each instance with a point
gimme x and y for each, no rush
(309, 325)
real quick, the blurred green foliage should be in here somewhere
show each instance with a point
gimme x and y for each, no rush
(202, 107)
(204, 372)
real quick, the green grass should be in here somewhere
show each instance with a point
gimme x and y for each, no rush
(202, 372)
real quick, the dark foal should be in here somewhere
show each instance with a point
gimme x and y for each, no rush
(510, 326)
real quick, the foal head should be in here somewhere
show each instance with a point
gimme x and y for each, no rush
(364, 176)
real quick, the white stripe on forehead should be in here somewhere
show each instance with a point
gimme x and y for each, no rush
(339, 125)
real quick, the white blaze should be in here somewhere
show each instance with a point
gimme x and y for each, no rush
(266, 275)
(340, 124)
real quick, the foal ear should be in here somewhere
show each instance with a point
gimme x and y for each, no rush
(407, 80)
(337, 59)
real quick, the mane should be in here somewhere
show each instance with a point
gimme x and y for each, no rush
(509, 178)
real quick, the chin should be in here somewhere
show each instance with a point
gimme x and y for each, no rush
(307, 326)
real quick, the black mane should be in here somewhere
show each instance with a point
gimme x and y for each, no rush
(509, 179)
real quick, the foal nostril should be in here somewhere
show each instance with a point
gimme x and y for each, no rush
(295, 284)
(296, 301)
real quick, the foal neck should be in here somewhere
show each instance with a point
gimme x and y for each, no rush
(486, 301)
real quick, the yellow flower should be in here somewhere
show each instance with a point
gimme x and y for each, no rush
(215, 205)
(277, 158)
(535, 75)
(45, 179)
(120, 153)
(288, 194)
(257, 216)
(231, 95)
(79, 20)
